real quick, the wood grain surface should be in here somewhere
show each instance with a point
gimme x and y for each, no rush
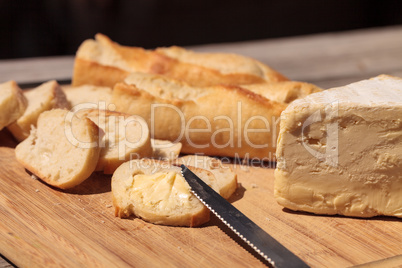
(43, 226)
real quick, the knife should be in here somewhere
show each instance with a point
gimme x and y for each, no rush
(264, 244)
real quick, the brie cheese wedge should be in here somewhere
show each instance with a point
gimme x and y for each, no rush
(340, 151)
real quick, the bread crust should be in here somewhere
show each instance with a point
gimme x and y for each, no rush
(283, 91)
(36, 153)
(110, 159)
(12, 103)
(223, 107)
(165, 150)
(125, 205)
(88, 95)
(208, 69)
(226, 177)
(47, 96)
(105, 63)
(89, 72)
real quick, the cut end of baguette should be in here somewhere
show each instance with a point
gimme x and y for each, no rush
(156, 192)
(126, 137)
(12, 103)
(60, 158)
(103, 62)
(45, 97)
(226, 178)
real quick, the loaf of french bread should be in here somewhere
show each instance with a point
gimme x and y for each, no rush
(103, 62)
(218, 120)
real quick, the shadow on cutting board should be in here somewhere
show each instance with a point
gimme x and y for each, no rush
(7, 139)
(97, 183)
(380, 218)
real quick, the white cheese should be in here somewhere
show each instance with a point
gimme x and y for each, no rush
(340, 151)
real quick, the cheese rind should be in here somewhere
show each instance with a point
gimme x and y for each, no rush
(340, 151)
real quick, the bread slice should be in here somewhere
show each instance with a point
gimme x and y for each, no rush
(12, 103)
(45, 97)
(88, 95)
(103, 62)
(156, 192)
(219, 120)
(165, 150)
(62, 151)
(126, 138)
(226, 178)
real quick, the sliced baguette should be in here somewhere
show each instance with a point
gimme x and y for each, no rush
(62, 151)
(88, 94)
(220, 120)
(12, 103)
(156, 192)
(225, 177)
(165, 150)
(45, 97)
(126, 138)
(103, 62)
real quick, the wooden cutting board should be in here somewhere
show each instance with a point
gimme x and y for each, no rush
(43, 226)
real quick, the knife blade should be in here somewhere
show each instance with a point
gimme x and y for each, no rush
(264, 244)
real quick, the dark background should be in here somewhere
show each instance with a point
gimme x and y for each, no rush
(57, 27)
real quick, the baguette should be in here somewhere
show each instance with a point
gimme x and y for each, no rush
(283, 91)
(45, 97)
(88, 94)
(221, 120)
(156, 192)
(226, 178)
(165, 150)
(12, 103)
(102, 62)
(59, 159)
(126, 138)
